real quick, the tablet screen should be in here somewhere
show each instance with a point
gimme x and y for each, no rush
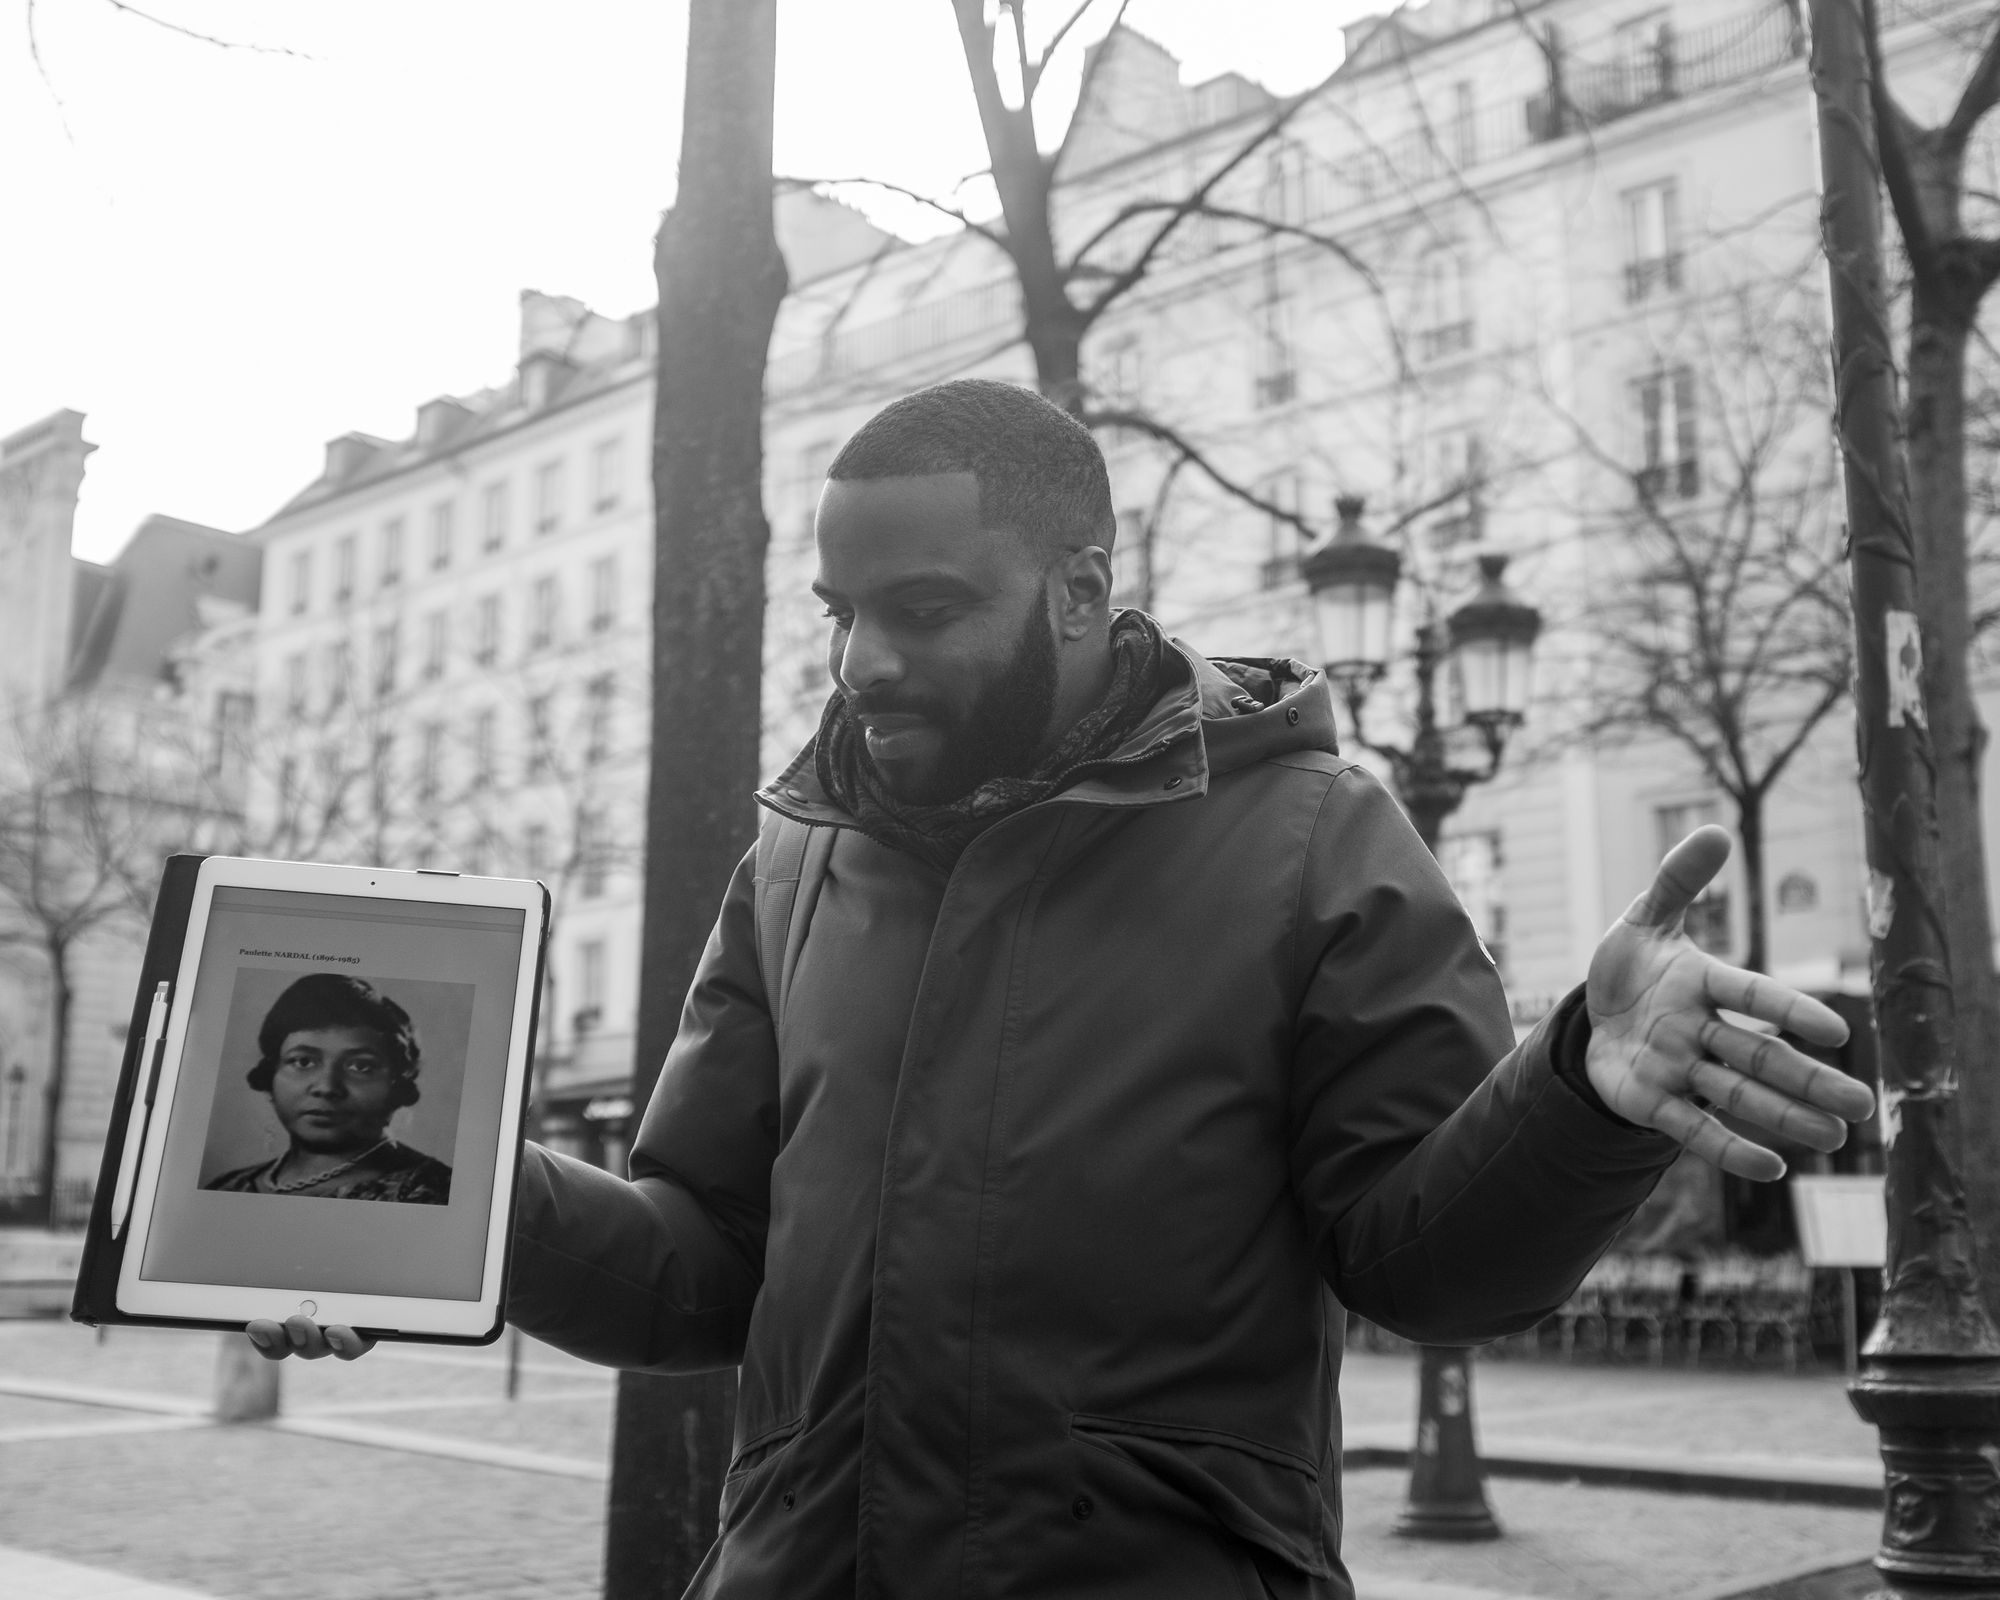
(334, 1120)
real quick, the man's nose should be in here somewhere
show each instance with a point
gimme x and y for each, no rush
(867, 660)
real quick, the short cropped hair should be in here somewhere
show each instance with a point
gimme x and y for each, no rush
(1040, 472)
(334, 1000)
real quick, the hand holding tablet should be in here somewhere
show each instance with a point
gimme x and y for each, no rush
(302, 1337)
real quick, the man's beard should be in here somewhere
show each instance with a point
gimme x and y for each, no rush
(1001, 735)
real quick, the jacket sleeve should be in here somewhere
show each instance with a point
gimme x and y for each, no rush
(660, 1272)
(1456, 1187)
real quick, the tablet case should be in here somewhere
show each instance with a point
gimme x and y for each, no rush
(95, 1302)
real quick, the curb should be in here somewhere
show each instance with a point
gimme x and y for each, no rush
(1801, 1482)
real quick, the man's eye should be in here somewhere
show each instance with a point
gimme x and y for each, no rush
(928, 616)
(364, 1068)
(840, 619)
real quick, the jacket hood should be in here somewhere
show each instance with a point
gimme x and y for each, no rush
(1213, 716)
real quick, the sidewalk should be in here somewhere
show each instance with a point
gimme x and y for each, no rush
(409, 1476)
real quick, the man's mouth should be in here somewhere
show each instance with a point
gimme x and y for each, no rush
(895, 735)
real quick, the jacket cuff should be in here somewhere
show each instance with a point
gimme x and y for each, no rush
(1569, 1045)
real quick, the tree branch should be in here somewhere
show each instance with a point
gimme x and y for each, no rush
(1896, 135)
(1982, 90)
(982, 229)
(205, 38)
(1153, 428)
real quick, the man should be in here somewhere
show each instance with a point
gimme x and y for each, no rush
(1129, 1021)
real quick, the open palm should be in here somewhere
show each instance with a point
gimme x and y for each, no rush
(1661, 1052)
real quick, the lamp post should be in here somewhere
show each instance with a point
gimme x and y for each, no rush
(1488, 643)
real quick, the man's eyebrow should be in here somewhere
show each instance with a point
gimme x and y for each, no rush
(939, 579)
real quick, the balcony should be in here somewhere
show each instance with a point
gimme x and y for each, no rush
(1447, 339)
(1658, 275)
(1670, 480)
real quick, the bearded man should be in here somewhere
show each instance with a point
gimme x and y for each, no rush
(1123, 1034)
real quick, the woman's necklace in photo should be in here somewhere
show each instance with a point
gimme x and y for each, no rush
(331, 1172)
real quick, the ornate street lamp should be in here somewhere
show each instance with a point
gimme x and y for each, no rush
(1488, 644)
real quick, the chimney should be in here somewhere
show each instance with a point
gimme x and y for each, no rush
(346, 455)
(439, 419)
(542, 374)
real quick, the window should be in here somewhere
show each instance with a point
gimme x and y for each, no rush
(1277, 378)
(332, 783)
(437, 639)
(295, 683)
(607, 470)
(485, 738)
(1669, 456)
(441, 530)
(381, 774)
(597, 718)
(302, 577)
(590, 862)
(535, 848)
(543, 602)
(539, 709)
(486, 630)
(1652, 241)
(235, 711)
(548, 497)
(1444, 304)
(590, 975)
(288, 781)
(1643, 47)
(603, 593)
(1122, 373)
(1708, 918)
(388, 638)
(493, 516)
(392, 552)
(1457, 467)
(1464, 125)
(430, 761)
(339, 672)
(1472, 862)
(1281, 537)
(344, 563)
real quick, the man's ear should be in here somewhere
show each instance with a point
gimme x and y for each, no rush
(1083, 600)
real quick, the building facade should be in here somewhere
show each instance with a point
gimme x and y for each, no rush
(1510, 275)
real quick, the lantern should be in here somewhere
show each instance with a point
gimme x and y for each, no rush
(1353, 585)
(1492, 649)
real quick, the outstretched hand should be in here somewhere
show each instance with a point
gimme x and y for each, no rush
(1661, 1053)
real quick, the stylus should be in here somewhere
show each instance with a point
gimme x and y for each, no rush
(135, 1124)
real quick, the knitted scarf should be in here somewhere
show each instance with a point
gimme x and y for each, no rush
(939, 833)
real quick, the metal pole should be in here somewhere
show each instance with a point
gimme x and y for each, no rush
(1447, 1493)
(1930, 1371)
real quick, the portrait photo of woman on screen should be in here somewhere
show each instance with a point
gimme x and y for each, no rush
(338, 1059)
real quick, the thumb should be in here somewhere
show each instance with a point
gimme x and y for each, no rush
(1682, 875)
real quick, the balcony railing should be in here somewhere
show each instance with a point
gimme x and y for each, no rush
(1659, 275)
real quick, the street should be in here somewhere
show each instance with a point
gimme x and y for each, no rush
(410, 1476)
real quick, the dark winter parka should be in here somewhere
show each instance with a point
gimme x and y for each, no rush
(1022, 1220)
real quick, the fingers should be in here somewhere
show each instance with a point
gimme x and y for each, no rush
(1714, 1143)
(1770, 1060)
(1768, 1001)
(1683, 873)
(1728, 1090)
(302, 1337)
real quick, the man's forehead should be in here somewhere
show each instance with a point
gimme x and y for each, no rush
(869, 530)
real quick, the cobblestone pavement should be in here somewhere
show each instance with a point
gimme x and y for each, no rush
(440, 1488)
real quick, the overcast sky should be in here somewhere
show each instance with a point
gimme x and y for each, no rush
(225, 257)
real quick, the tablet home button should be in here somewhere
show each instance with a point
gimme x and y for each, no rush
(308, 1308)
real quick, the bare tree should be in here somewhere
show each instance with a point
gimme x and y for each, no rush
(1719, 619)
(1951, 264)
(83, 814)
(721, 279)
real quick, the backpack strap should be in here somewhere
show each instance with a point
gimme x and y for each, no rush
(791, 865)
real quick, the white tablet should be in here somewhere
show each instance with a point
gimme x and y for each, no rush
(340, 1091)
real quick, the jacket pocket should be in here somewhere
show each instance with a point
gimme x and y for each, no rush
(1267, 1497)
(761, 1447)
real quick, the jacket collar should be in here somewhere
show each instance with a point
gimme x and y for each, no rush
(1209, 719)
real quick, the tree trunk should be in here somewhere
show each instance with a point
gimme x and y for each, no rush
(1756, 920)
(1940, 320)
(62, 999)
(721, 279)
